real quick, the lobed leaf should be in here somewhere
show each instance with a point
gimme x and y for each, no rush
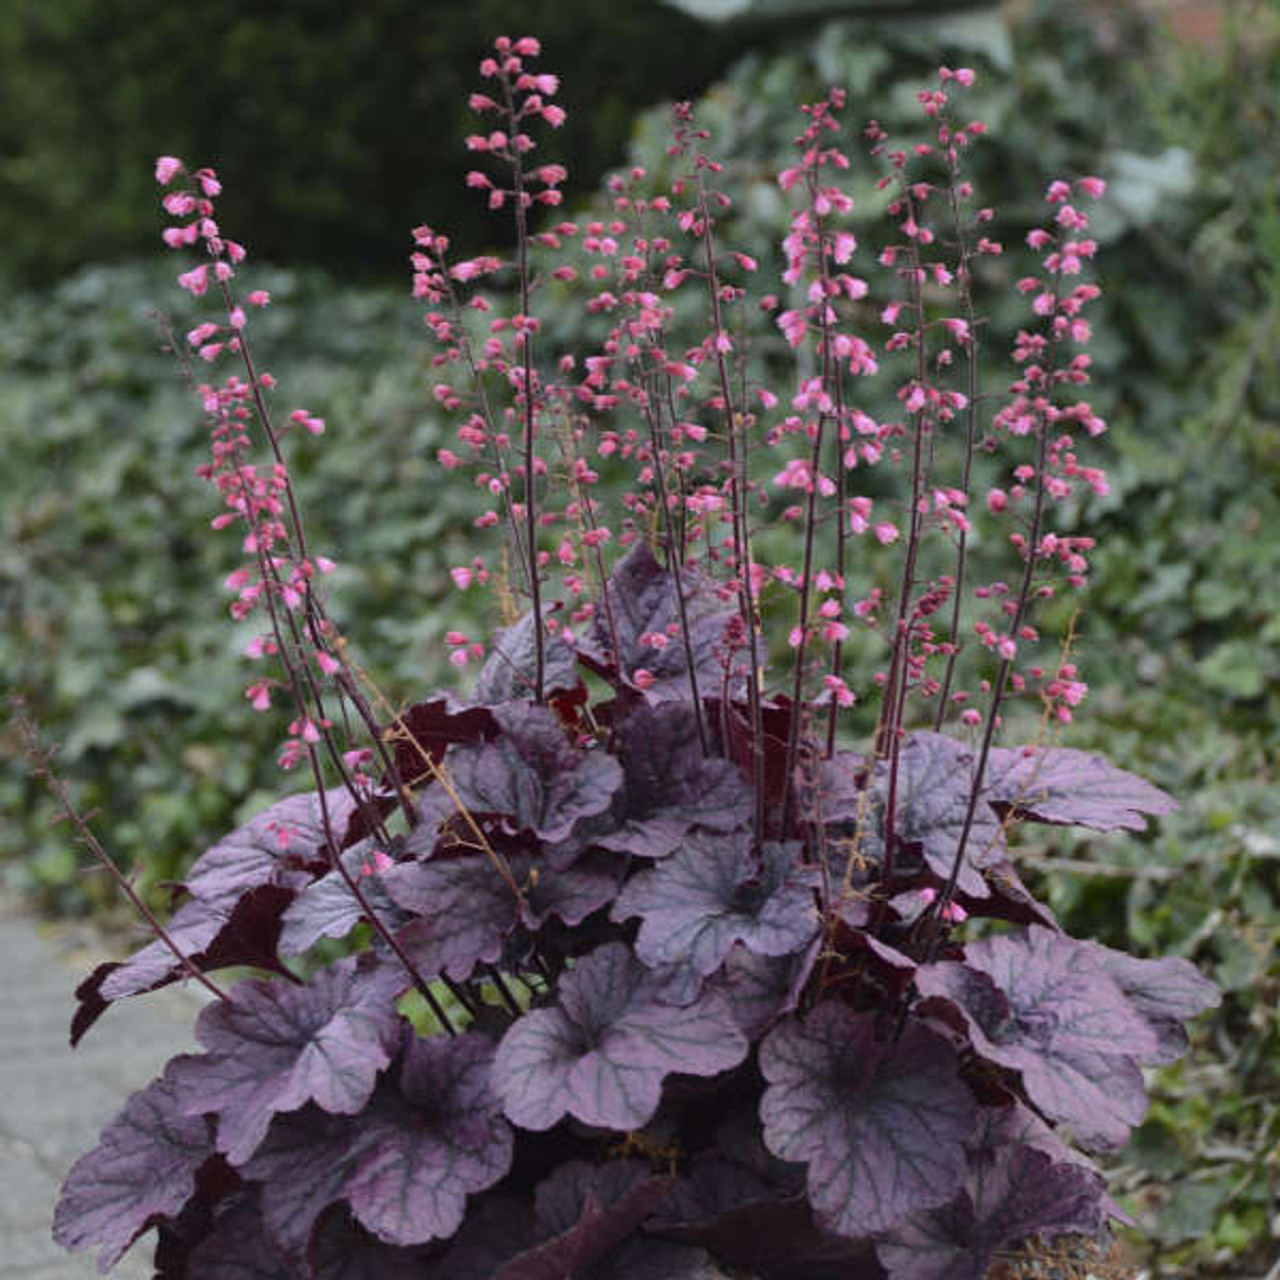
(530, 777)
(143, 1170)
(1072, 788)
(509, 671)
(327, 908)
(669, 785)
(712, 892)
(603, 1052)
(639, 601)
(277, 1046)
(881, 1124)
(1042, 1004)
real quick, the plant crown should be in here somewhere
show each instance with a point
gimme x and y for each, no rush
(628, 964)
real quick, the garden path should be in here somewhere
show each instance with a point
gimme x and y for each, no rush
(53, 1101)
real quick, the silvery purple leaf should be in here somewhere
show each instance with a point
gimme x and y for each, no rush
(1072, 788)
(1017, 1193)
(509, 670)
(271, 847)
(276, 1046)
(530, 776)
(1040, 1003)
(760, 989)
(712, 892)
(935, 775)
(840, 795)
(669, 786)
(142, 1170)
(641, 602)
(602, 1053)
(571, 894)
(329, 1148)
(644, 1258)
(1165, 992)
(327, 908)
(430, 1144)
(881, 1124)
(463, 910)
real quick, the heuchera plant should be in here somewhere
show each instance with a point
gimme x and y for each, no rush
(643, 969)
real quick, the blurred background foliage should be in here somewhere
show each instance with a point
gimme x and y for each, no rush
(336, 128)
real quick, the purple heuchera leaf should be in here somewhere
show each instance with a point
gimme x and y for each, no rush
(464, 910)
(508, 671)
(1072, 788)
(430, 1144)
(237, 1248)
(713, 892)
(1165, 992)
(531, 777)
(329, 1148)
(760, 989)
(282, 839)
(276, 1046)
(669, 785)
(340, 1250)
(572, 893)
(602, 1053)
(327, 908)
(582, 1211)
(881, 1125)
(1016, 1193)
(935, 776)
(142, 1170)
(1041, 1003)
(641, 602)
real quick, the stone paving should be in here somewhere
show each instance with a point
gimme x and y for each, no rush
(53, 1100)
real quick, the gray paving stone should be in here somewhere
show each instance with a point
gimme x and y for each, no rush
(53, 1101)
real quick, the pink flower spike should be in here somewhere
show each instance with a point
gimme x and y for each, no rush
(461, 578)
(237, 319)
(885, 533)
(258, 298)
(554, 116)
(1094, 187)
(327, 663)
(167, 168)
(325, 565)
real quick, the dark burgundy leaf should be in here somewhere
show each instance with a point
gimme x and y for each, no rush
(1072, 788)
(464, 910)
(881, 1125)
(340, 1250)
(1017, 1193)
(713, 892)
(237, 1249)
(1041, 1003)
(422, 734)
(641, 602)
(602, 1053)
(509, 670)
(327, 908)
(935, 775)
(430, 1144)
(760, 989)
(142, 1170)
(244, 932)
(531, 777)
(584, 1210)
(669, 786)
(276, 1046)
(1165, 992)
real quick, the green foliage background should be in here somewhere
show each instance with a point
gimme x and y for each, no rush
(111, 618)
